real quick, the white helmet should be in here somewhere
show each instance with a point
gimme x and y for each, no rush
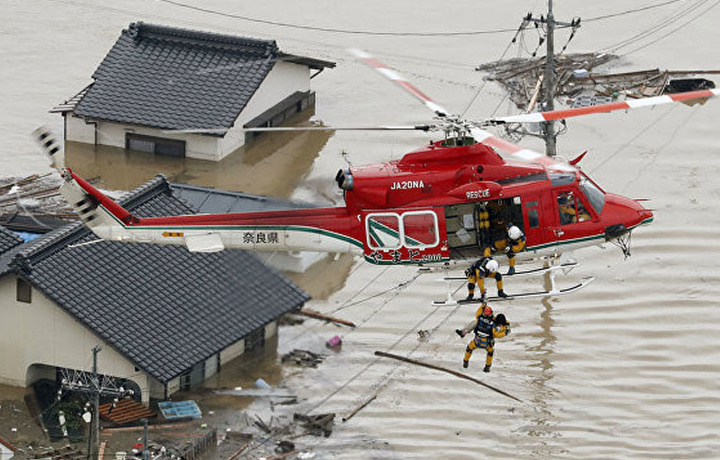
(515, 233)
(492, 266)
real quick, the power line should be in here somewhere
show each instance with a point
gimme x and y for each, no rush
(336, 30)
(636, 10)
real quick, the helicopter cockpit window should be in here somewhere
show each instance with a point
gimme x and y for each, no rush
(557, 179)
(566, 206)
(594, 195)
(383, 231)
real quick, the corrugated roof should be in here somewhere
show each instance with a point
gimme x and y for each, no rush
(172, 78)
(162, 307)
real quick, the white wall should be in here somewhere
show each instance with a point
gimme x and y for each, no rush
(42, 333)
(283, 80)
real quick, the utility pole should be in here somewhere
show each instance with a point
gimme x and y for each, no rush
(549, 133)
(95, 430)
(93, 385)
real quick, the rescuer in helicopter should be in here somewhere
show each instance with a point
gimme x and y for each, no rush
(486, 328)
(485, 267)
(511, 245)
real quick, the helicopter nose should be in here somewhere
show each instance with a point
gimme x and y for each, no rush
(630, 212)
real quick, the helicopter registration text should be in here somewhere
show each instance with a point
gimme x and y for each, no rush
(407, 184)
(477, 194)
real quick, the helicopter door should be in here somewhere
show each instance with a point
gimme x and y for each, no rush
(538, 218)
(404, 237)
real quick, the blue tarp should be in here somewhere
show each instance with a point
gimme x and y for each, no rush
(179, 410)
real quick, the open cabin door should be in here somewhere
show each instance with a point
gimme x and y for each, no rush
(405, 237)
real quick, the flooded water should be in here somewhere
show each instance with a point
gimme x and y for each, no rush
(627, 368)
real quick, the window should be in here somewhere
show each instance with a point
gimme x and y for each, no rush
(383, 231)
(592, 192)
(571, 209)
(255, 340)
(157, 145)
(420, 229)
(24, 291)
(533, 214)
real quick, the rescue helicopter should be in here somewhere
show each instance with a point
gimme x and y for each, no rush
(440, 204)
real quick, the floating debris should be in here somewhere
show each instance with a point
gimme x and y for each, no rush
(317, 425)
(303, 358)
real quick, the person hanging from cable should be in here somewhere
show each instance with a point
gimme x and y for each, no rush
(484, 267)
(511, 245)
(487, 328)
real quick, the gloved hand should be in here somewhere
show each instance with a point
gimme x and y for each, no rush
(460, 332)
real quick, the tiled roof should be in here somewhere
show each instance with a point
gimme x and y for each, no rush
(162, 307)
(8, 240)
(214, 201)
(172, 78)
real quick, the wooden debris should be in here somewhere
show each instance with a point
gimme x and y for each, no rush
(317, 425)
(330, 319)
(303, 358)
(443, 369)
(359, 408)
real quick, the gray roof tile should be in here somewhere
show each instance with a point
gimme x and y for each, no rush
(163, 307)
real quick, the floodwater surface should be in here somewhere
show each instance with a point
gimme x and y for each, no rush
(627, 368)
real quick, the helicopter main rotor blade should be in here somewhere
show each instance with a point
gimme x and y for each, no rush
(390, 74)
(331, 128)
(536, 117)
(518, 151)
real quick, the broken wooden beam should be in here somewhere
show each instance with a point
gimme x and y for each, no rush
(443, 369)
(359, 408)
(318, 315)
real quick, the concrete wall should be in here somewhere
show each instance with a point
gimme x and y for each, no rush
(283, 80)
(42, 333)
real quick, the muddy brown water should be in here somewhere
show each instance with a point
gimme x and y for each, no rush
(627, 368)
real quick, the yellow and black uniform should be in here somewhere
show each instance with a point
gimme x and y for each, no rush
(485, 267)
(486, 328)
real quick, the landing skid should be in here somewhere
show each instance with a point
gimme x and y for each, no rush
(525, 295)
(566, 267)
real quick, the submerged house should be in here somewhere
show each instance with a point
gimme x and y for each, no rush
(166, 319)
(186, 93)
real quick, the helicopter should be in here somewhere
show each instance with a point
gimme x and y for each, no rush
(443, 203)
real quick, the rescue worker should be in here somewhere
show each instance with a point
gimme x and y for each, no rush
(485, 267)
(515, 243)
(486, 328)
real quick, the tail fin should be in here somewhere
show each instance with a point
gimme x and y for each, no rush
(107, 219)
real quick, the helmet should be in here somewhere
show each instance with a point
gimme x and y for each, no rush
(492, 266)
(487, 311)
(515, 233)
(501, 320)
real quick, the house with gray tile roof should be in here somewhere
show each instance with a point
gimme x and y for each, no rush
(166, 319)
(181, 92)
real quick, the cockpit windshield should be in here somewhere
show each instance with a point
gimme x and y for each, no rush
(592, 192)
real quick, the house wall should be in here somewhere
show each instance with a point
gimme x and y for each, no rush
(40, 332)
(282, 81)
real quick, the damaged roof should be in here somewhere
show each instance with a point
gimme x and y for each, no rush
(173, 78)
(162, 307)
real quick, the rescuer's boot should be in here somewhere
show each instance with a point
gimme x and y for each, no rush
(465, 364)
(486, 368)
(502, 294)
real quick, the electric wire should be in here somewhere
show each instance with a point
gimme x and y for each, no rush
(679, 28)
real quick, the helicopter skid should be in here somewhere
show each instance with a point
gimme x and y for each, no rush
(566, 267)
(524, 295)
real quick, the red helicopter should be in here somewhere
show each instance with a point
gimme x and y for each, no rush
(447, 201)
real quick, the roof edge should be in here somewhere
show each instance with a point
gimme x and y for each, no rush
(139, 30)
